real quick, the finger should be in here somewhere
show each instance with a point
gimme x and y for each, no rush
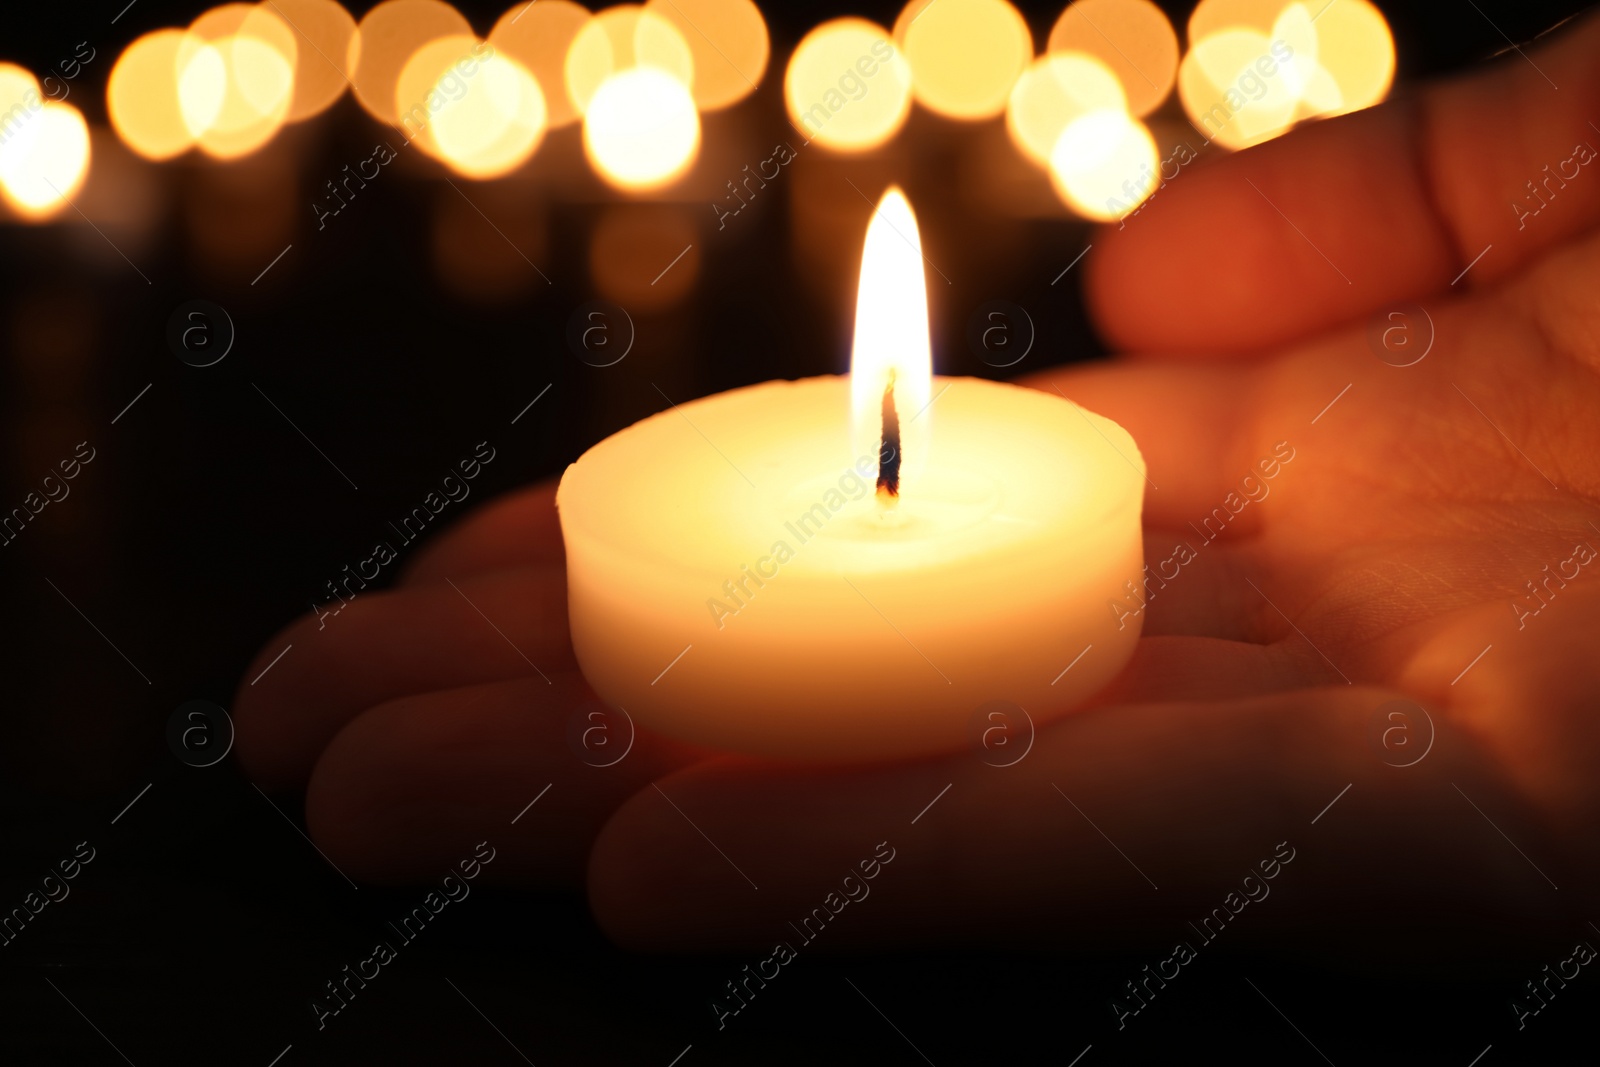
(403, 789)
(1070, 844)
(1340, 218)
(516, 530)
(1196, 428)
(382, 646)
(406, 789)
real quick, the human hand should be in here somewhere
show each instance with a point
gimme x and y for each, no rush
(1384, 556)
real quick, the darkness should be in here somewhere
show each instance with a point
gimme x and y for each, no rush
(396, 338)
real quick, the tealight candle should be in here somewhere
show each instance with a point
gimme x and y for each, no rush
(850, 569)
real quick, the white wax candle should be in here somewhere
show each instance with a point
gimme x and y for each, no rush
(738, 576)
(735, 539)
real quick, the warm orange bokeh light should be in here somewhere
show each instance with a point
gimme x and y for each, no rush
(20, 104)
(44, 146)
(1131, 37)
(238, 113)
(621, 38)
(1213, 16)
(641, 130)
(1056, 89)
(965, 55)
(630, 245)
(1356, 50)
(1104, 164)
(537, 35)
(1239, 87)
(1259, 66)
(488, 263)
(728, 39)
(323, 32)
(202, 84)
(246, 119)
(848, 87)
(247, 20)
(143, 98)
(39, 172)
(425, 87)
(386, 39)
(496, 122)
(15, 83)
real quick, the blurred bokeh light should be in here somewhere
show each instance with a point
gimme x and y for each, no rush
(965, 55)
(234, 219)
(728, 39)
(20, 104)
(323, 33)
(1104, 164)
(489, 263)
(1356, 49)
(258, 54)
(41, 170)
(1214, 16)
(641, 130)
(630, 248)
(537, 35)
(142, 98)
(1133, 38)
(1239, 87)
(1256, 67)
(434, 80)
(623, 38)
(496, 124)
(1056, 89)
(482, 107)
(202, 85)
(848, 87)
(386, 39)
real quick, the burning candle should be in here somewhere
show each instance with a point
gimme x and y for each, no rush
(852, 568)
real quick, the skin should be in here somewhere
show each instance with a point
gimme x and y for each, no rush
(1388, 554)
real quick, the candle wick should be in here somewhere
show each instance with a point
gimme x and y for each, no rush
(889, 453)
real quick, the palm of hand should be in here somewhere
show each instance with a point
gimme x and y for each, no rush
(1384, 561)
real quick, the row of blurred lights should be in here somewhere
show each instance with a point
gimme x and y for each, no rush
(638, 76)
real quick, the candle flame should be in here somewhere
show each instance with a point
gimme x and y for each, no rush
(891, 361)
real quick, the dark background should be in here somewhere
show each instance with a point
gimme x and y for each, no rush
(396, 338)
